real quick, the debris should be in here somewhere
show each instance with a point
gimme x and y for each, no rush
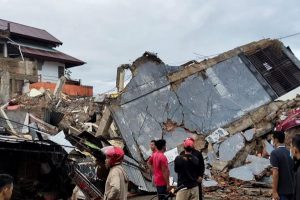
(100, 98)
(105, 123)
(35, 93)
(231, 146)
(59, 86)
(249, 134)
(4, 116)
(248, 172)
(219, 165)
(25, 128)
(60, 139)
(210, 185)
(268, 147)
(242, 173)
(216, 135)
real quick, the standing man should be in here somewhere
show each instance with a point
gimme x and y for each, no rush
(282, 169)
(116, 186)
(296, 156)
(153, 150)
(200, 170)
(6, 186)
(187, 165)
(161, 172)
(152, 146)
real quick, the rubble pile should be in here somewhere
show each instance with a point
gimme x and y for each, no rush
(239, 162)
(231, 123)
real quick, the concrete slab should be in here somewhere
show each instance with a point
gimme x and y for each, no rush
(249, 134)
(230, 147)
(242, 173)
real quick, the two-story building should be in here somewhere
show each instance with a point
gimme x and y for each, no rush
(30, 54)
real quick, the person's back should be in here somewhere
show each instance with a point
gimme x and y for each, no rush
(116, 184)
(282, 164)
(186, 166)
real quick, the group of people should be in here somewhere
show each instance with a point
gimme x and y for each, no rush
(285, 168)
(189, 166)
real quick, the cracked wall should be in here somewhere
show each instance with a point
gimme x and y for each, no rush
(197, 105)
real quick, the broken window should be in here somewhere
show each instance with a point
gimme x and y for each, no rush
(277, 69)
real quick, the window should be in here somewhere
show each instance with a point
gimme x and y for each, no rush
(61, 71)
(277, 69)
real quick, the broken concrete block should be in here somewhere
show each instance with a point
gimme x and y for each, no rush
(242, 173)
(268, 147)
(219, 165)
(230, 147)
(207, 173)
(249, 134)
(258, 165)
(211, 156)
(216, 135)
(210, 185)
(105, 123)
(35, 93)
(100, 98)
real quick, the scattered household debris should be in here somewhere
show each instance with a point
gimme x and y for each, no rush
(230, 122)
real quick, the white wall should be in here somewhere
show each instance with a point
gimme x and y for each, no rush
(49, 72)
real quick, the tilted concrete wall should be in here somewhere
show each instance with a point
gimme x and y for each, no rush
(198, 104)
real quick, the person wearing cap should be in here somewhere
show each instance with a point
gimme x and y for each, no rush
(6, 186)
(116, 186)
(186, 166)
(200, 170)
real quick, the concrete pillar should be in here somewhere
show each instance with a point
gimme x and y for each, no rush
(120, 78)
(4, 86)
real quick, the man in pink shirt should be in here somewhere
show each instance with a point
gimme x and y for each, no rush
(159, 164)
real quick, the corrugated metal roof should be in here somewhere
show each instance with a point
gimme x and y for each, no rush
(29, 32)
(135, 175)
(52, 55)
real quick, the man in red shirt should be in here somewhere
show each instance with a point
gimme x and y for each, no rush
(161, 172)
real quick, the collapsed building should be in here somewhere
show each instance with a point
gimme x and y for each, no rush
(229, 103)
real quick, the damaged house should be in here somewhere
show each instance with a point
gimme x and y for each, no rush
(228, 103)
(228, 91)
(28, 56)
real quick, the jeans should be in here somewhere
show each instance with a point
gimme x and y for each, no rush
(286, 197)
(161, 192)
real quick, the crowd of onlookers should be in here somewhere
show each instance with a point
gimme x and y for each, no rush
(189, 166)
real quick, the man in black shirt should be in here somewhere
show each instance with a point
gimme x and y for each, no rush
(296, 155)
(186, 166)
(282, 169)
(201, 168)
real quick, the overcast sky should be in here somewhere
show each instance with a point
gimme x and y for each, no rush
(108, 33)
